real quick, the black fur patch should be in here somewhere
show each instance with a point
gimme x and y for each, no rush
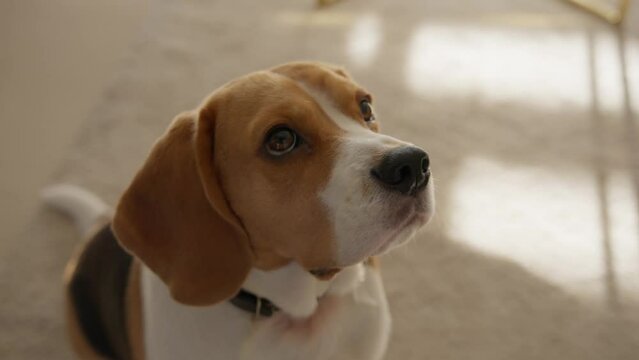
(98, 289)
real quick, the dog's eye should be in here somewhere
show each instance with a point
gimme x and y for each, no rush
(367, 110)
(280, 141)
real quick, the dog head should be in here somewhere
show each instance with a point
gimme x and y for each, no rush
(277, 166)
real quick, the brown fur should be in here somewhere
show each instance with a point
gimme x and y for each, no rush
(373, 262)
(277, 198)
(134, 312)
(210, 202)
(185, 234)
(344, 92)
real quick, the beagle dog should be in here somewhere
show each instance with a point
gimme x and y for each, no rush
(251, 230)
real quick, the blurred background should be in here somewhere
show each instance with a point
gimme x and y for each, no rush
(528, 109)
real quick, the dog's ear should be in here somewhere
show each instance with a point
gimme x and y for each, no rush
(176, 219)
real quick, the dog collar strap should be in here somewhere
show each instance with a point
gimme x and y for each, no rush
(253, 304)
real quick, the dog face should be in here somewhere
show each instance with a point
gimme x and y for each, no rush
(280, 165)
(303, 168)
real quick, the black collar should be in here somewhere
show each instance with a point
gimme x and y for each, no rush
(253, 304)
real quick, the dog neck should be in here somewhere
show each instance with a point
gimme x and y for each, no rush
(297, 292)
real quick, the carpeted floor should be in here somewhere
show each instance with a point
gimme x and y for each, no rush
(534, 250)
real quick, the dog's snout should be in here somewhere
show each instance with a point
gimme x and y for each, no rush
(405, 169)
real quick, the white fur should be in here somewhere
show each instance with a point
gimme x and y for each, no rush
(83, 207)
(361, 210)
(176, 331)
(350, 320)
(290, 287)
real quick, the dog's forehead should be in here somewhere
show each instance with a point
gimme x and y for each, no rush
(286, 91)
(321, 76)
(328, 80)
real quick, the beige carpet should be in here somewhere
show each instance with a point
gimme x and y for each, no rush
(509, 153)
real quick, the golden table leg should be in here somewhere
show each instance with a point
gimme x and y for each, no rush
(611, 14)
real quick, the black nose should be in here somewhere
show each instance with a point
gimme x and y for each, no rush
(405, 169)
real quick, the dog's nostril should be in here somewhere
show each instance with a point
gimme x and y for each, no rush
(425, 164)
(403, 173)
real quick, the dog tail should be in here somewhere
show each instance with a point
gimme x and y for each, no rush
(85, 209)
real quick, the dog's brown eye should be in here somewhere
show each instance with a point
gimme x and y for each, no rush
(280, 141)
(367, 110)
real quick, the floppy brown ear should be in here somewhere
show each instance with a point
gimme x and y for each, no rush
(175, 218)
